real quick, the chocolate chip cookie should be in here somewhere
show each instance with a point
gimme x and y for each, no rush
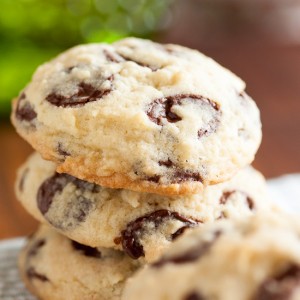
(253, 259)
(141, 224)
(139, 115)
(54, 267)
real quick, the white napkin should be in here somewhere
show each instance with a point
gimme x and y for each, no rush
(285, 191)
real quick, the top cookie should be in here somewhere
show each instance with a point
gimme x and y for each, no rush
(140, 115)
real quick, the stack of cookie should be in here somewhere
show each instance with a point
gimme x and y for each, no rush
(140, 141)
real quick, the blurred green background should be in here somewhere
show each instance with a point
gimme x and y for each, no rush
(33, 31)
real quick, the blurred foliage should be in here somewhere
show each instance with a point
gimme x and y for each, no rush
(33, 31)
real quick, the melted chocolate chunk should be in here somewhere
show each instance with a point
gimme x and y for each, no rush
(85, 185)
(155, 178)
(182, 176)
(168, 163)
(161, 109)
(77, 212)
(180, 231)
(112, 56)
(22, 180)
(55, 184)
(33, 274)
(131, 235)
(48, 189)
(36, 247)
(61, 150)
(194, 296)
(280, 287)
(144, 65)
(117, 58)
(86, 93)
(86, 250)
(191, 254)
(177, 175)
(24, 110)
(226, 196)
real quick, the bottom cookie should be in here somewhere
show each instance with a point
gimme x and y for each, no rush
(54, 267)
(253, 259)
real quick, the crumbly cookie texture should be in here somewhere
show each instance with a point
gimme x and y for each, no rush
(253, 259)
(55, 268)
(140, 115)
(141, 224)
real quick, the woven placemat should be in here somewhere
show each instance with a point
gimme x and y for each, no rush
(11, 286)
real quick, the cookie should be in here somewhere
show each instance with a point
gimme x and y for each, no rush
(253, 259)
(139, 115)
(141, 224)
(54, 267)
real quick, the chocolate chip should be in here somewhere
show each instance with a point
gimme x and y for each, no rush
(191, 254)
(182, 176)
(194, 296)
(168, 163)
(48, 189)
(154, 178)
(176, 175)
(86, 93)
(130, 237)
(250, 203)
(161, 109)
(144, 65)
(84, 185)
(179, 232)
(112, 56)
(55, 184)
(61, 151)
(32, 274)
(22, 180)
(280, 287)
(226, 196)
(24, 110)
(118, 58)
(33, 251)
(36, 247)
(78, 212)
(86, 250)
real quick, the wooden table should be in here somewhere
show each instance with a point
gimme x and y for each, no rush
(272, 74)
(14, 221)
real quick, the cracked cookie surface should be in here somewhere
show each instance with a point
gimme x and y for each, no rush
(140, 115)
